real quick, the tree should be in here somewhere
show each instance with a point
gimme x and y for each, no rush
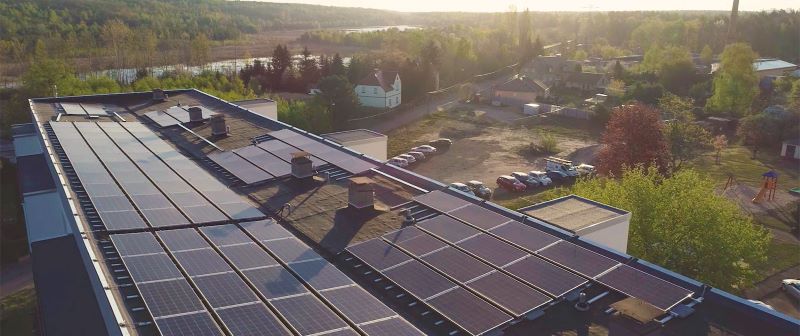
(44, 76)
(720, 143)
(309, 71)
(618, 71)
(794, 96)
(200, 50)
(735, 82)
(538, 47)
(337, 66)
(707, 55)
(525, 47)
(648, 93)
(281, 61)
(337, 94)
(634, 136)
(685, 138)
(116, 35)
(681, 223)
(763, 130)
(432, 59)
(357, 69)
(580, 55)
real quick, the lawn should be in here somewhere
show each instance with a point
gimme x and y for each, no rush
(780, 256)
(17, 313)
(737, 160)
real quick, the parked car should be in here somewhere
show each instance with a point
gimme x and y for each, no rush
(510, 183)
(400, 162)
(480, 189)
(409, 158)
(585, 169)
(461, 187)
(541, 177)
(530, 182)
(792, 287)
(441, 144)
(425, 149)
(560, 165)
(419, 156)
(557, 177)
(761, 303)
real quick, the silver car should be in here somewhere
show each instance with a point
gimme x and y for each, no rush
(792, 287)
(419, 156)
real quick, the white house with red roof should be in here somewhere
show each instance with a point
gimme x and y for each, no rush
(379, 89)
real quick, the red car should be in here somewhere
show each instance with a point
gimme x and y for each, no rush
(510, 183)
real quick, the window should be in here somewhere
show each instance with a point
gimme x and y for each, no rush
(363, 90)
(374, 90)
(397, 100)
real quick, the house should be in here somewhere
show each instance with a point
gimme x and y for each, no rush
(380, 89)
(587, 81)
(790, 149)
(772, 67)
(519, 91)
(551, 70)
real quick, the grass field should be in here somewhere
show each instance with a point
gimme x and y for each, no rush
(737, 160)
(17, 313)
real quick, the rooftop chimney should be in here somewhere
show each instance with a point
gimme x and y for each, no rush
(301, 165)
(195, 114)
(218, 126)
(361, 193)
(159, 95)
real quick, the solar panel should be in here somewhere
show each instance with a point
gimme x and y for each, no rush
(73, 109)
(94, 109)
(239, 167)
(514, 296)
(266, 230)
(342, 332)
(202, 261)
(164, 217)
(632, 282)
(403, 234)
(122, 220)
(353, 165)
(457, 264)
(524, 236)
(222, 235)
(419, 280)
(468, 311)
(421, 245)
(357, 304)
(247, 256)
(284, 134)
(545, 276)
(320, 274)
(130, 244)
(162, 119)
(169, 297)
(492, 250)
(308, 315)
(378, 254)
(448, 228)
(240, 210)
(264, 160)
(285, 152)
(226, 289)
(182, 239)
(578, 259)
(479, 217)
(251, 320)
(441, 201)
(391, 327)
(178, 113)
(291, 250)
(150, 267)
(274, 282)
(196, 324)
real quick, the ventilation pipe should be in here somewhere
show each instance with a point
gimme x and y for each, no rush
(195, 114)
(361, 194)
(218, 127)
(302, 167)
(159, 95)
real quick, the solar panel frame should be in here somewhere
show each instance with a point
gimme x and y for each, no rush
(320, 274)
(195, 324)
(131, 244)
(252, 320)
(308, 315)
(151, 267)
(578, 259)
(73, 109)
(460, 266)
(291, 250)
(224, 235)
(171, 297)
(391, 327)
(245, 256)
(441, 201)
(225, 289)
(492, 250)
(635, 283)
(448, 228)
(419, 280)
(469, 312)
(378, 254)
(267, 229)
(479, 217)
(264, 160)
(513, 295)
(95, 109)
(239, 167)
(201, 262)
(524, 236)
(421, 245)
(545, 276)
(403, 234)
(357, 305)
(274, 282)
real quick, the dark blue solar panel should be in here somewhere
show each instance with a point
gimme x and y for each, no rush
(308, 315)
(136, 243)
(378, 254)
(418, 279)
(291, 250)
(222, 235)
(182, 239)
(421, 245)
(169, 297)
(578, 259)
(252, 320)
(448, 228)
(469, 312)
(247, 256)
(545, 276)
(357, 304)
(226, 289)
(391, 327)
(151, 267)
(457, 264)
(658, 292)
(511, 294)
(274, 282)
(266, 230)
(479, 217)
(202, 261)
(524, 236)
(441, 201)
(492, 250)
(239, 167)
(197, 324)
(320, 274)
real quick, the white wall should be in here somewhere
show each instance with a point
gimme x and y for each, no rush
(614, 236)
(375, 96)
(796, 151)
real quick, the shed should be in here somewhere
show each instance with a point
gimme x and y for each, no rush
(790, 149)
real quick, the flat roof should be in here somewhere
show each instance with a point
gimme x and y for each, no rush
(315, 224)
(351, 136)
(573, 213)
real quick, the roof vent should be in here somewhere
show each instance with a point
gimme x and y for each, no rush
(195, 114)
(159, 95)
(302, 166)
(218, 127)
(361, 193)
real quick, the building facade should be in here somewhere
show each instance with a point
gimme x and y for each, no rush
(380, 89)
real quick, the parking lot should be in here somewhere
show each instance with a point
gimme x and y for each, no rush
(485, 148)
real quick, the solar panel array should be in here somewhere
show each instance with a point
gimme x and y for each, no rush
(129, 174)
(272, 158)
(83, 109)
(256, 278)
(498, 267)
(176, 115)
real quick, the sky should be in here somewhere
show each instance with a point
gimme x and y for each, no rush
(550, 5)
